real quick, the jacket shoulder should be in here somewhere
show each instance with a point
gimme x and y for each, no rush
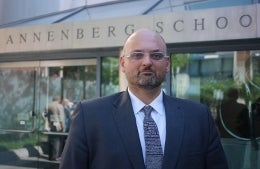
(102, 102)
(184, 102)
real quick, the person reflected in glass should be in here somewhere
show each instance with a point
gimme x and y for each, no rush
(56, 121)
(234, 116)
(256, 118)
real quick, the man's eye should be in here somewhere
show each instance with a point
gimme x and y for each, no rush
(157, 56)
(137, 55)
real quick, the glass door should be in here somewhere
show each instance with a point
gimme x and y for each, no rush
(28, 89)
(18, 114)
(229, 84)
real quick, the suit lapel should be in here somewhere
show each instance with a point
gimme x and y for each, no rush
(126, 124)
(174, 132)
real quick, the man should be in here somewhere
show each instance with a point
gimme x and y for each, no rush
(56, 123)
(108, 133)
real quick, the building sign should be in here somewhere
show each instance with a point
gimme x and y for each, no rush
(241, 22)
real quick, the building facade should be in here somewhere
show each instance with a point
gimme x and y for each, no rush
(72, 52)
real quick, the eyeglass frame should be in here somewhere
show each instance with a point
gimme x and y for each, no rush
(134, 57)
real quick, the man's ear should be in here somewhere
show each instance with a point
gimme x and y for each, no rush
(122, 63)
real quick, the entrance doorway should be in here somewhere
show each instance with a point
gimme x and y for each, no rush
(27, 88)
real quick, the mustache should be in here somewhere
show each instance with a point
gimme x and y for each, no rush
(147, 68)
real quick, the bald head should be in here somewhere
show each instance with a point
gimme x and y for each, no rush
(144, 36)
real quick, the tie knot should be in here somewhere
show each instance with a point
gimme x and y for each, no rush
(147, 109)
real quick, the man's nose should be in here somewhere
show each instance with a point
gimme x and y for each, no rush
(147, 59)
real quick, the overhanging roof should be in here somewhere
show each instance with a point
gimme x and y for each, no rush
(91, 12)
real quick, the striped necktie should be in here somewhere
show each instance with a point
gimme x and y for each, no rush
(153, 148)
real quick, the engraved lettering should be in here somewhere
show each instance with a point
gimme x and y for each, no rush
(197, 24)
(159, 25)
(80, 33)
(222, 22)
(9, 40)
(111, 31)
(65, 34)
(181, 26)
(23, 37)
(129, 29)
(178, 26)
(95, 32)
(50, 36)
(35, 36)
(245, 20)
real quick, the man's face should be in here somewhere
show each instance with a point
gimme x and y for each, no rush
(144, 60)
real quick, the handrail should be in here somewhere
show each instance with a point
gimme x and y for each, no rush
(21, 131)
(55, 133)
(17, 131)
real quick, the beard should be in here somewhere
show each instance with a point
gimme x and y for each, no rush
(149, 81)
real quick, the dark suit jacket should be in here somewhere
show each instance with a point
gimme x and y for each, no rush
(104, 135)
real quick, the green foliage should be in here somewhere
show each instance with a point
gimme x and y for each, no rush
(179, 60)
(15, 141)
(210, 85)
(254, 88)
(110, 72)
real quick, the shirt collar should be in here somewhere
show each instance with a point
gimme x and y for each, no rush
(157, 103)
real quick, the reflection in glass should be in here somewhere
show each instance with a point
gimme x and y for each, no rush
(17, 98)
(109, 76)
(207, 77)
(212, 79)
(71, 83)
(79, 82)
(234, 116)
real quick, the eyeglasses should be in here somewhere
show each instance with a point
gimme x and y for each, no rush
(141, 55)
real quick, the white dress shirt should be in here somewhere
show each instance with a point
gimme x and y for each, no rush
(158, 114)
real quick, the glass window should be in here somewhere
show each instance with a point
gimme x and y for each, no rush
(109, 75)
(217, 78)
(202, 4)
(79, 82)
(229, 84)
(28, 115)
(17, 83)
